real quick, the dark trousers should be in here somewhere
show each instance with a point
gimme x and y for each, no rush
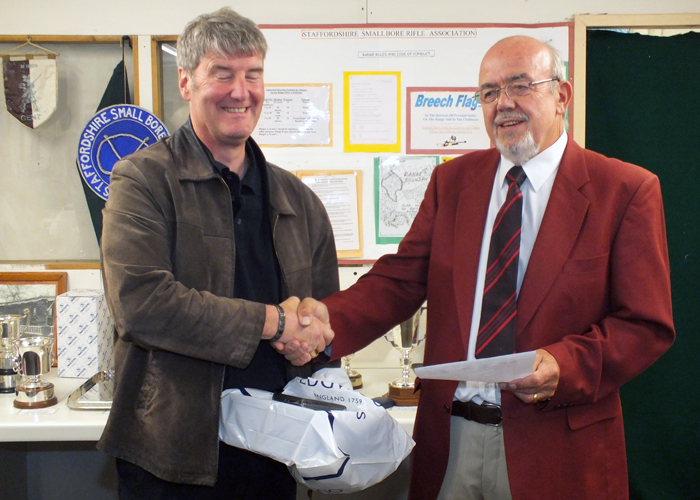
(242, 476)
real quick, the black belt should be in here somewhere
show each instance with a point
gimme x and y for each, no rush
(485, 413)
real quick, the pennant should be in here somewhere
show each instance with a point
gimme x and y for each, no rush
(117, 92)
(31, 88)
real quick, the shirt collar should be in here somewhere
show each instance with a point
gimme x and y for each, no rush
(251, 179)
(539, 168)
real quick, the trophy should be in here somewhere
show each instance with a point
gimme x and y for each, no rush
(406, 337)
(32, 360)
(9, 332)
(354, 375)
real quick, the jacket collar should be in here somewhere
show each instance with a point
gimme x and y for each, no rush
(194, 165)
(561, 225)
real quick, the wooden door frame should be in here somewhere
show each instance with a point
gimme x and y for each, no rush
(582, 23)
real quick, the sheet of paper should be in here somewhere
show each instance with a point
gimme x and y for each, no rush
(295, 115)
(496, 369)
(338, 193)
(373, 108)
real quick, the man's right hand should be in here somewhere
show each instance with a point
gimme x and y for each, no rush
(307, 330)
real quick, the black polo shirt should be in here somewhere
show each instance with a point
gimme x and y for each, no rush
(258, 277)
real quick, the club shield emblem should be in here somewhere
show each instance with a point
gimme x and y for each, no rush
(111, 135)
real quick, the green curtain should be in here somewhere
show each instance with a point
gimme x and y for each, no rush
(643, 106)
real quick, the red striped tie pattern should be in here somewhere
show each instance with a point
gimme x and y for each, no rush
(499, 307)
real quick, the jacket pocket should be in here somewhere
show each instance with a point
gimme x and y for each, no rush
(585, 415)
(586, 265)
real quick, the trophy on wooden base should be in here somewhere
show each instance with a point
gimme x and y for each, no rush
(10, 330)
(406, 337)
(354, 375)
(32, 360)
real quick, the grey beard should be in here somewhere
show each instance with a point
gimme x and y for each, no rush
(520, 152)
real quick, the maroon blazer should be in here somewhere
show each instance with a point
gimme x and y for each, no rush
(596, 295)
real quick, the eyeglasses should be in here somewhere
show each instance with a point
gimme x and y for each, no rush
(513, 89)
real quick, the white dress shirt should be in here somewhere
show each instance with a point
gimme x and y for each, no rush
(541, 171)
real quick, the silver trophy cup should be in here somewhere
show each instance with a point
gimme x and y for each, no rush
(354, 376)
(33, 356)
(406, 337)
(10, 330)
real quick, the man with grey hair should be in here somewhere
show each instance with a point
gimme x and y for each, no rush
(205, 249)
(580, 277)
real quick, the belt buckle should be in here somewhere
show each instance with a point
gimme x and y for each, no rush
(492, 405)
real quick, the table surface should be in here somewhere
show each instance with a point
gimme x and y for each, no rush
(60, 423)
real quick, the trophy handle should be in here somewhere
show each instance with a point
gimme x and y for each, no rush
(16, 362)
(416, 332)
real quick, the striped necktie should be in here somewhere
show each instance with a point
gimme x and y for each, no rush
(499, 307)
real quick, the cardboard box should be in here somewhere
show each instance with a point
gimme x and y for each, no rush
(85, 333)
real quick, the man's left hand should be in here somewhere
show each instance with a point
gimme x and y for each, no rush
(541, 384)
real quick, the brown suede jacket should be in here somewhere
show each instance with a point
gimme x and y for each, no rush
(168, 258)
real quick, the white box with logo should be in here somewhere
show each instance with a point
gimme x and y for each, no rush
(85, 333)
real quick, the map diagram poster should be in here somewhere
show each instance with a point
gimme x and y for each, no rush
(399, 186)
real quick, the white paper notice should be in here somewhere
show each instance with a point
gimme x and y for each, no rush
(496, 369)
(338, 193)
(373, 109)
(295, 115)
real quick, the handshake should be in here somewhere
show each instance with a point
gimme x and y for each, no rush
(307, 329)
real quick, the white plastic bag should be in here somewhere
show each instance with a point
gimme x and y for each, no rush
(338, 451)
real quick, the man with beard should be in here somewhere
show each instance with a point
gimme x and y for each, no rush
(587, 288)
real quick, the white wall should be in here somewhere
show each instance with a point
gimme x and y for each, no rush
(514, 11)
(136, 17)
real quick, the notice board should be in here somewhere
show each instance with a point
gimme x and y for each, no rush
(350, 96)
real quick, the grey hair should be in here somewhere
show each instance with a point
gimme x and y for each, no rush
(558, 68)
(224, 32)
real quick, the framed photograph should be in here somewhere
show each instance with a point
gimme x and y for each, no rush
(32, 297)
